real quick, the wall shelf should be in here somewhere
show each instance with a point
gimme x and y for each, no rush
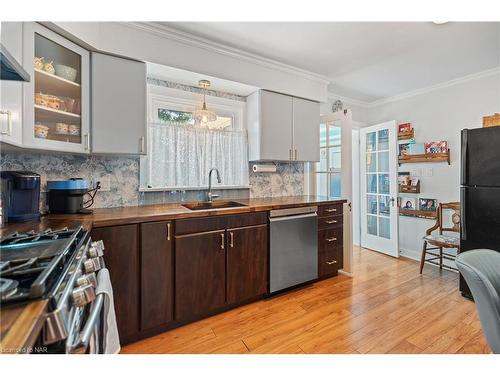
(432, 215)
(406, 135)
(410, 189)
(426, 158)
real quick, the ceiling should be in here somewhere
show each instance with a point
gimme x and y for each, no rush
(366, 61)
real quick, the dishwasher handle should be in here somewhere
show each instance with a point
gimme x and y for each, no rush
(292, 217)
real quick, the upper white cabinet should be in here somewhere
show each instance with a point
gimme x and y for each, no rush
(282, 127)
(11, 92)
(305, 130)
(56, 109)
(118, 105)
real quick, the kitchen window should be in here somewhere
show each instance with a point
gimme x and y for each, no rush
(328, 172)
(180, 153)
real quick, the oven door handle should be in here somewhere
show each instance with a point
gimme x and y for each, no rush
(81, 345)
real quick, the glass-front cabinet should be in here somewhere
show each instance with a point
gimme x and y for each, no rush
(56, 100)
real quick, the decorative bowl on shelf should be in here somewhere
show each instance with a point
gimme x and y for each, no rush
(74, 130)
(49, 67)
(62, 128)
(66, 72)
(41, 131)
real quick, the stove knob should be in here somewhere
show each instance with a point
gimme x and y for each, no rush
(89, 279)
(83, 295)
(93, 265)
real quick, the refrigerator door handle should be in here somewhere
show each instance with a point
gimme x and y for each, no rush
(463, 159)
(463, 222)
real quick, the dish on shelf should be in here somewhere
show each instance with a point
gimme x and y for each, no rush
(66, 72)
(50, 101)
(74, 130)
(62, 128)
(41, 131)
(49, 67)
(38, 62)
(69, 104)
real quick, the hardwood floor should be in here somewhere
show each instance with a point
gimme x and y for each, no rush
(387, 307)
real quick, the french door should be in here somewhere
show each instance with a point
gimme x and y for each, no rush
(378, 176)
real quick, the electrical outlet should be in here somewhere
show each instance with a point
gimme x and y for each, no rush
(105, 183)
(429, 172)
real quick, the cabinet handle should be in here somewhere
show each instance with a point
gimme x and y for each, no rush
(331, 239)
(331, 221)
(141, 144)
(331, 262)
(222, 241)
(87, 142)
(231, 239)
(295, 154)
(168, 231)
(331, 210)
(9, 122)
(290, 154)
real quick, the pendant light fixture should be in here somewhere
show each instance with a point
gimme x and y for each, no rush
(203, 116)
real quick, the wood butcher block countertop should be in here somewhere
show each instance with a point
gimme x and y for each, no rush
(20, 324)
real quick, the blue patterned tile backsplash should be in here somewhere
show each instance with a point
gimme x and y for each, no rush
(122, 172)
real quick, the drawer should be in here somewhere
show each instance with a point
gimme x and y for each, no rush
(329, 262)
(330, 209)
(330, 221)
(209, 223)
(330, 238)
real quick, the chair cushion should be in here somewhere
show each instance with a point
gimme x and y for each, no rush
(440, 238)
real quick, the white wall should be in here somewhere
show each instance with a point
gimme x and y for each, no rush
(358, 110)
(438, 115)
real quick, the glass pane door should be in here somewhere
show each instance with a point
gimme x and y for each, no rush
(378, 183)
(328, 169)
(57, 92)
(378, 158)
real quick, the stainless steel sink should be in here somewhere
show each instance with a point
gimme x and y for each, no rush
(212, 205)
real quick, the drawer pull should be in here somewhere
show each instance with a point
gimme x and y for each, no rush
(331, 262)
(168, 231)
(331, 239)
(331, 210)
(331, 221)
(231, 239)
(222, 241)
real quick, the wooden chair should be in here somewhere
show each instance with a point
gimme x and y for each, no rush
(440, 241)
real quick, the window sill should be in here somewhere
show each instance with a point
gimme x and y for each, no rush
(188, 188)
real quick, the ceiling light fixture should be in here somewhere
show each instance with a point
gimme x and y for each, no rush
(203, 116)
(439, 22)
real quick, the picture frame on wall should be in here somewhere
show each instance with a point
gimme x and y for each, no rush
(427, 204)
(409, 203)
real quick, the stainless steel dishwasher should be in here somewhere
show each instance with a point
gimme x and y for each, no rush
(293, 247)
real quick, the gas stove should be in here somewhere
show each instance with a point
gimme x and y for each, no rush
(32, 262)
(57, 265)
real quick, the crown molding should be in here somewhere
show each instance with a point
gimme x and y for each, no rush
(209, 45)
(439, 86)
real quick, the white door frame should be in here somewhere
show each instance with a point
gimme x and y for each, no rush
(387, 246)
(344, 119)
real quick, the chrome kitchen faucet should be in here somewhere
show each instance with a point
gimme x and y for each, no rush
(210, 195)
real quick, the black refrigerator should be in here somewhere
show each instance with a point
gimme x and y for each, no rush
(479, 192)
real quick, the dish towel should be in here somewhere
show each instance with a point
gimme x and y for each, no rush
(111, 340)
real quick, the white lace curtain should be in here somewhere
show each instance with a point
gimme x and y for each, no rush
(180, 156)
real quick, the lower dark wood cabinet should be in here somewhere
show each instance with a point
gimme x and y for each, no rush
(157, 274)
(246, 263)
(121, 256)
(200, 274)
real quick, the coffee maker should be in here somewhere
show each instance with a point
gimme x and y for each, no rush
(20, 195)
